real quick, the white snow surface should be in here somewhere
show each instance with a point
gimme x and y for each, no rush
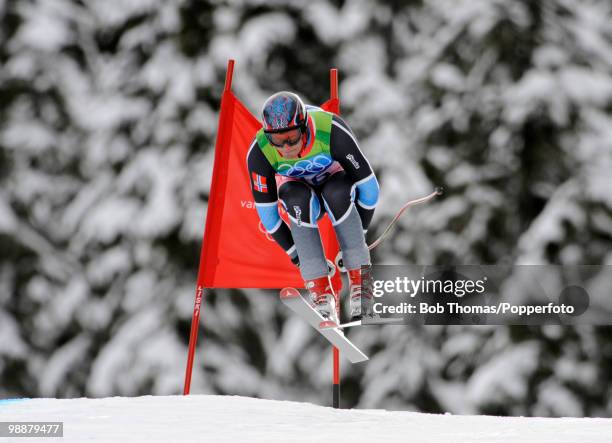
(242, 419)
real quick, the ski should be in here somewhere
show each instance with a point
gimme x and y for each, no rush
(329, 324)
(293, 300)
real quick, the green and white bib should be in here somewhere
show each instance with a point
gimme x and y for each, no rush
(316, 161)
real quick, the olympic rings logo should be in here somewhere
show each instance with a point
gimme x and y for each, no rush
(264, 232)
(262, 228)
(305, 167)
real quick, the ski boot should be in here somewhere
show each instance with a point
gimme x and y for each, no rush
(360, 291)
(322, 298)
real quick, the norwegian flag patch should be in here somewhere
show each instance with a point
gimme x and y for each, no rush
(259, 183)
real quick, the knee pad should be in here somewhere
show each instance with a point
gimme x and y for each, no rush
(301, 203)
(338, 201)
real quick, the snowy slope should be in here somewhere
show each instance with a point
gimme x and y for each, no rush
(238, 419)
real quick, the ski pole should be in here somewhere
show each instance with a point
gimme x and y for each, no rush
(437, 191)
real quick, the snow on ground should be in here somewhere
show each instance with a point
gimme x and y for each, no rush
(207, 418)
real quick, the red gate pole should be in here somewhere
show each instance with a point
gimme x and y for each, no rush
(193, 339)
(333, 86)
(222, 135)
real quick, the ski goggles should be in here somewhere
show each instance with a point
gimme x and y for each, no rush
(280, 139)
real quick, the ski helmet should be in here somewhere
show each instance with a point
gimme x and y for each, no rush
(282, 112)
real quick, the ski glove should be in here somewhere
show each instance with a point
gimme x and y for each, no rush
(295, 260)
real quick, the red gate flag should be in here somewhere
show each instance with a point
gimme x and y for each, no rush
(237, 252)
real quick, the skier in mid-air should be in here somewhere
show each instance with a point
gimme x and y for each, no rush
(309, 159)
